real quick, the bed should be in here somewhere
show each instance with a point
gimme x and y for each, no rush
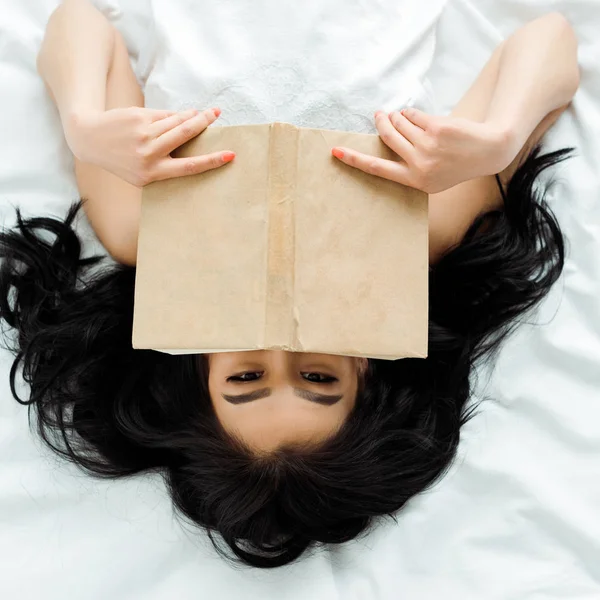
(516, 517)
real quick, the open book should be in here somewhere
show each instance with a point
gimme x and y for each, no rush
(284, 248)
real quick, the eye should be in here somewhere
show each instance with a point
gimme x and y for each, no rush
(318, 378)
(245, 377)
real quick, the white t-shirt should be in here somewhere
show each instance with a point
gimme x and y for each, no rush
(328, 64)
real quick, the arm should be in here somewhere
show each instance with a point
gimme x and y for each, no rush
(527, 83)
(78, 76)
(84, 76)
(118, 146)
(75, 70)
(523, 89)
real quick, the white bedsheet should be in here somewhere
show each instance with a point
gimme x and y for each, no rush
(517, 515)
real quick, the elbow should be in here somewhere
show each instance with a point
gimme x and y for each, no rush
(558, 24)
(573, 84)
(121, 251)
(125, 256)
(561, 30)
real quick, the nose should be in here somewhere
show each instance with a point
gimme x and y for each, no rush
(279, 356)
(280, 363)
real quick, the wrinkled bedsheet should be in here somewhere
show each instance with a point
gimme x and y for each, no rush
(516, 517)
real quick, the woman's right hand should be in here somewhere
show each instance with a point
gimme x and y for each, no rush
(135, 143)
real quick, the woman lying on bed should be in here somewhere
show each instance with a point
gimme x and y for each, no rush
(278, 451)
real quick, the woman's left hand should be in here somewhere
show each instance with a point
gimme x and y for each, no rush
(436, 152)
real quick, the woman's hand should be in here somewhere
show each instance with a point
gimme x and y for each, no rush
(135, 143)
(436, 152)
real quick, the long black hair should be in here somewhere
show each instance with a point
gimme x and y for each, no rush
(116, 411)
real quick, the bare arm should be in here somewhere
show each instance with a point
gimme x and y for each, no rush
(75, 70)
(523, 89)
(528, 81)
(526, 84)
(118, 145)
(76, 73)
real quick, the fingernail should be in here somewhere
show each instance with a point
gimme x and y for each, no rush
(228, 156)
(337, 153)
(390, 115)
(217, 111)
(377, 113)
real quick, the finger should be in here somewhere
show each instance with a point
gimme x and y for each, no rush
(180, 167)
(388, 169)
(184, 132)
(407, 129)
(157, 115)
(166, 124)
(391, 137)
(416, 117)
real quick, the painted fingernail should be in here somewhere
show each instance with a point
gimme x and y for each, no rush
(228, 156)
(337, 153)
(217, 111)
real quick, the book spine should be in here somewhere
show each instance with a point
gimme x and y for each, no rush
(283, 158)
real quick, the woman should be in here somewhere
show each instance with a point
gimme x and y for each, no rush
(278, 451)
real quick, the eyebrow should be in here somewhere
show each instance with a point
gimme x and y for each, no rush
(324, 399)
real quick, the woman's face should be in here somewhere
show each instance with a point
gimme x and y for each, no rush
(268, 398)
